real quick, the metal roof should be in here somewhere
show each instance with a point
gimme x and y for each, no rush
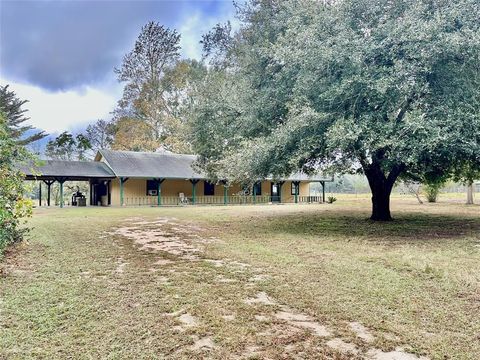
(109, 164)
(171, 166)
(150, 165)
(299, 176)
(73, 170)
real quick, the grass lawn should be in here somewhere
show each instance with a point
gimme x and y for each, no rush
(278, 282)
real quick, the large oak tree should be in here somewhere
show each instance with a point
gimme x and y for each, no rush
(385, 88)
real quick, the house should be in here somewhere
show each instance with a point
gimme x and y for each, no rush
(139, 178)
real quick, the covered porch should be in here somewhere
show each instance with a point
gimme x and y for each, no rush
(171, 192)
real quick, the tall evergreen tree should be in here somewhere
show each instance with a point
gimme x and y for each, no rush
(13, 110)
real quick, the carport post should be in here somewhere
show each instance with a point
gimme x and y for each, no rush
(61, 181)
(40, 194)
(61, 194)
(49, 184)
(254, 193)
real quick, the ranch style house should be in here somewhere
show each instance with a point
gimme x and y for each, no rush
(139, 178)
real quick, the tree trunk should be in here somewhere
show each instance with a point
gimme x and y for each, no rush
(380, 200)
(381, 187)
(470, 193)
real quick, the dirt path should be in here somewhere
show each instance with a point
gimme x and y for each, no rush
(297, 332)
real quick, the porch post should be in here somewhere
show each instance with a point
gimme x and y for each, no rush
(254, 193)
(323, 191)
(297, 185)
(280, 184)
(40, 194)
(122, 182)
(121, 192)
(225, 193)
(159, 191)
(194, 185)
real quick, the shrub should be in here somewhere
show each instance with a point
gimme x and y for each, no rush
(431, 191)
(331, 199)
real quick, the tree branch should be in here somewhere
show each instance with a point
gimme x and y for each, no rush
(404, 109)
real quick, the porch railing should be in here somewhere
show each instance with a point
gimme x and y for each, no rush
(212, 200)
(310, 199)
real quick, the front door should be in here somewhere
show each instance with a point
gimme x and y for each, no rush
(275, 192)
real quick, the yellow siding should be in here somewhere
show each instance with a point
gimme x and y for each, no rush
(135, 188)
(287, 197)
(132, 188)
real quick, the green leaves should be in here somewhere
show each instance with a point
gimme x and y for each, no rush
(14, 113)
(68, 147)
(12, 205)
(334, 84)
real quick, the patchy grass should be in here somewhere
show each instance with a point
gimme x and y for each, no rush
(265, 283)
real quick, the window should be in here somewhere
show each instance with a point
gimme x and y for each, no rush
(208, 188)
(275, 190)
(258, 188)
(151, 188)
(293, 188)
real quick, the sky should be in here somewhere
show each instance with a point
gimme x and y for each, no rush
(60, 55)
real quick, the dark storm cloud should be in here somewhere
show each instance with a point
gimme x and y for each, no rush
(63, 44)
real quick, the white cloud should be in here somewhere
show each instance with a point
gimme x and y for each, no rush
(73, 109)
(196, 24)
(55, 112)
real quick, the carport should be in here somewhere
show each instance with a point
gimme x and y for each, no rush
(98, 175)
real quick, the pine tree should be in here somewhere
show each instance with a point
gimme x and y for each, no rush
(14, 112)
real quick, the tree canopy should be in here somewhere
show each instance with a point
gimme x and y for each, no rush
(386, 88)
(100, 134)
(157, 91)
(68, 147)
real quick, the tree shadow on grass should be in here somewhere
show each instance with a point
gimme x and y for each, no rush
(405, 228)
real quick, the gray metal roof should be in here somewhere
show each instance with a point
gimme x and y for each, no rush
(129, 164)
(150, 165)
(299, 176)
(172, 166)
(73, 170)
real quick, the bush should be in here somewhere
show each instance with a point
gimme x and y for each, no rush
(331, 199)
(432, 191)
(13, 208)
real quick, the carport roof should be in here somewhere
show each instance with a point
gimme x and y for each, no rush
(72, 170)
